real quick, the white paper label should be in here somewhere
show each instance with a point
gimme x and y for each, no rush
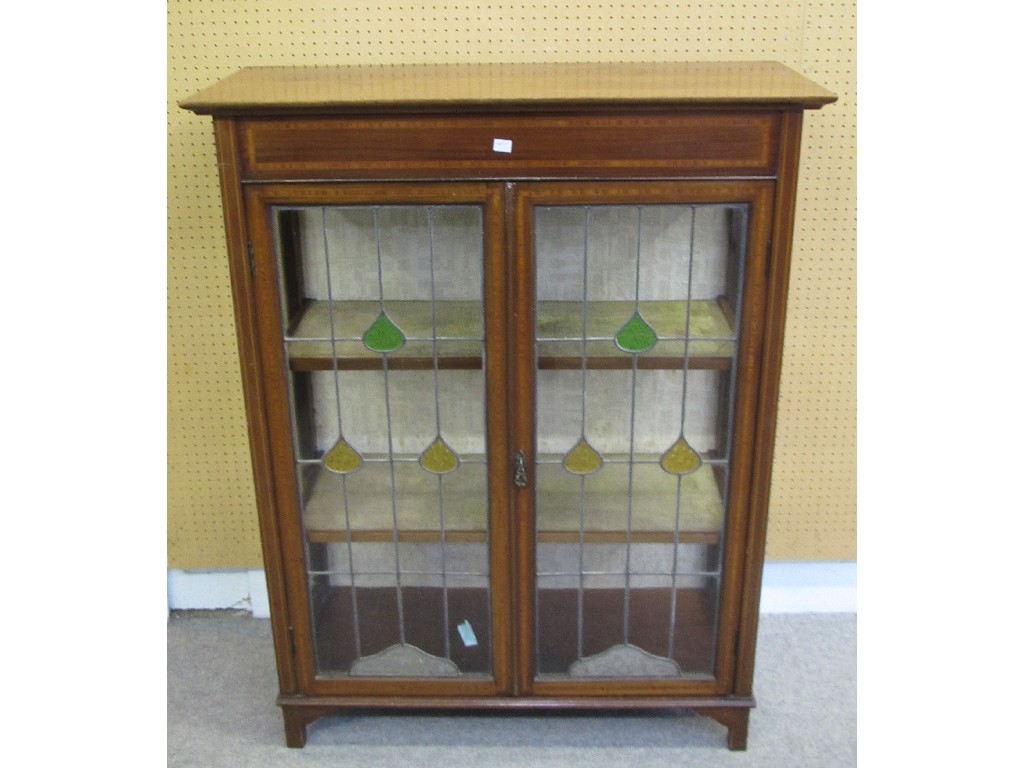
(503, 145)
(468, 636)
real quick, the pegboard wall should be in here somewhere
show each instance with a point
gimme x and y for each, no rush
(211, 502)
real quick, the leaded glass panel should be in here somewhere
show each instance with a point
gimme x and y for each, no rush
(384, 338)
(637, 313)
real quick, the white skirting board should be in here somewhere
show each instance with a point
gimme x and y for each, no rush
(809, 588)
(211, 590)
(806, 587)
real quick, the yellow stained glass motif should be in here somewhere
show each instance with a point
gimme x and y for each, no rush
(439, 458)
(582, 459)
(342, 458)
(680, 459)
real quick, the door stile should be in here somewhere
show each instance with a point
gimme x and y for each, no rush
(499, 477)
(522, 415)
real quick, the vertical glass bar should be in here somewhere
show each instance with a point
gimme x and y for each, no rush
(682, 427)
(629, 505)
(583, 428)
(437, 424)
(632, 436)
(352, 574)
(579, 591)
(341, 433)
(391, 447)
(444, 568)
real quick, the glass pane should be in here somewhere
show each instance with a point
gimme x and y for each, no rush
(581, 629)
(383, 333)
(637, 311)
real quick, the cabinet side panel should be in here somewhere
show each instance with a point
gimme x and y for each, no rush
(767, 407)
(235, 225)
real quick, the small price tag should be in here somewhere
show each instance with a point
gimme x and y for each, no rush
(503, 145)
(467, 634)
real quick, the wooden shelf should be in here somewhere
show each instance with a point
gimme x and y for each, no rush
(368, 491)
(559, 330)
(310, 348)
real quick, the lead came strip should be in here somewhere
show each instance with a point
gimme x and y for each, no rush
(680, 458)
(443, 459)
(391, 450)
(678, 464)
(632, 436)
(582, 459)
(342, 458)
(583, 426)
(636, 335)
(346, 465)
(383, 335)
(438, 457)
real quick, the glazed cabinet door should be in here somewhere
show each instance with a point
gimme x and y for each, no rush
(383, 351)
(638, 349)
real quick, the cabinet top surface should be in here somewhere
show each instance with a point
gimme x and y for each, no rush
(463, 87)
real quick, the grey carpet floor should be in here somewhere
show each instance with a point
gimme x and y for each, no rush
(222, 685)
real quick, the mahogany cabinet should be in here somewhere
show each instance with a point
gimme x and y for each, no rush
(510, 340)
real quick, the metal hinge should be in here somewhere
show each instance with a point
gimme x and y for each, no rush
(252, 262)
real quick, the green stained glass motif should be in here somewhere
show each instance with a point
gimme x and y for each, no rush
(680, 459)
(636, 335)
(383, 335)
(439, 458)
(582, 459)
(342, 458)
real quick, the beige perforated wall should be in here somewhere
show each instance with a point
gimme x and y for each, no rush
(211, 506)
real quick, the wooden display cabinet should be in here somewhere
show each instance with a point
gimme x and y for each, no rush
(510, 341)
